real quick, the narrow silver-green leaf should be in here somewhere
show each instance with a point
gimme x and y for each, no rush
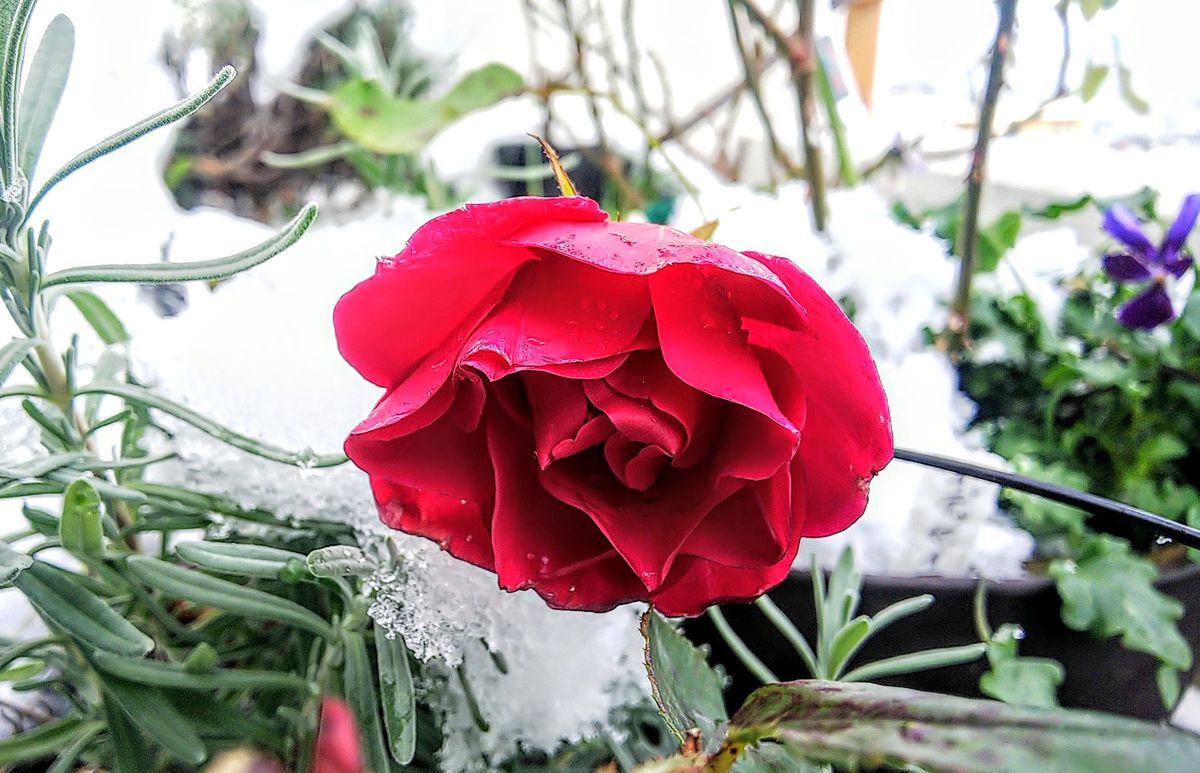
(148, 399)
(14, 16)
(129, 748)
(158, 719)
(200, 588)
(12, 353)
(237, 558)
(43, 740)
(361, 685)
(156, 673)
(396, 695)
(12, 563)
(79, 612)
(916, 661)
(845, 643)
(218, 268)
(340, 561)
(43, 90)
(80, 529)
(141, 128)
(22, 671)
(66, 759)
(108, 325)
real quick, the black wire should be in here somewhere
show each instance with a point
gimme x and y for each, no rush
(1097, 506)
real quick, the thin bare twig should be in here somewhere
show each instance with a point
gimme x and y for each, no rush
(960, 308)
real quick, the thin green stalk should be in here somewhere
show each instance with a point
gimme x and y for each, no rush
(790, 632)
(846, 171)
(739, 648)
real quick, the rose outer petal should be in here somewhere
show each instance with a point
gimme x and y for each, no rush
(1148, 309)
(1124, 267)
(388, 323)
(847, 434)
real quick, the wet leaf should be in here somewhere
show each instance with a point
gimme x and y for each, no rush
(687, 690)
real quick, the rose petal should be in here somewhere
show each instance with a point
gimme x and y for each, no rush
(645, 376)
(703, 342)
(1124, 226)
(1185, 221)
(338, 749)
(646, 528)
(638, 420)
(457, 525)
(697, 583)
(847, 435)
(559, 409)
(1124, 267)
(559, 311)
(1148, 309)
(749, 530)
(637, 466)
(453, 269)
(639, 248)
(536, 537)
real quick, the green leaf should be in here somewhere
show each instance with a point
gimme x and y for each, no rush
(375, 120)
(128, 748)
(996, 240)
(44, 740)
(199, 588)
(1167, 680)
(1128, 95)
(22, 671)
(80, 529)
(360, 687)
(14, 15)
(156, 673)
(340, 561)
(218, 268)
(1020, 681)
(845, 643)
(12, 353)
(97, 313)
(1111, 592)
(1093, 78)
(308, 158)
(144, 397)
(866, 727)
(79, 612)
(238, 558)
(1189, 318)
(916, 661)
(397, 696)
(687, 690)
(158, 719)
(12, 563)
(43, 90)
(141, 128)
(201, 660)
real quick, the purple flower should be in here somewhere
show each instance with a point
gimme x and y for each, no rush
(1143, 263)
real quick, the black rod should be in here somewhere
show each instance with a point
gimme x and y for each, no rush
(1096, 505)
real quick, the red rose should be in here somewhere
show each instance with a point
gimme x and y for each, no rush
(338, 748)
(609, 412)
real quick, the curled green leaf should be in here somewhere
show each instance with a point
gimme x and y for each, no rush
(76, 610)
(237, 558)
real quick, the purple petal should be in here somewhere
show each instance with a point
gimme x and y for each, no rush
(1177, 234)
(1123, 225)
(1148, 309)
(1124, 267)
(1178, 264)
